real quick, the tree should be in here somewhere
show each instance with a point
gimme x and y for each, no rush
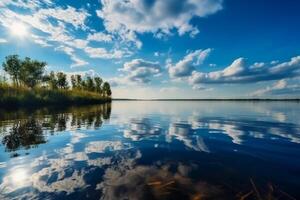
(106, 89)
(31, 72)
(12, 66)
(83, 85)
(2, 79)
(90, 84)
(52, 80)
(98, 83)
(62, 82)
(78, 81)
(73, 81)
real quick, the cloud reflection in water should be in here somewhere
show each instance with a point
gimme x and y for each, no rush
(83, 153)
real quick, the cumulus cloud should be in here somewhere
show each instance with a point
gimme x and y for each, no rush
(186, 66)
(138, 71)
(128, 17)
(100, 37)
(104, 54)
(240, 72)
(281, 87)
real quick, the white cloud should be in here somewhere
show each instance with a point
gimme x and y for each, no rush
(201, 88)
(52, 23)
(39, 40)
(78, 62)
(2, 40)
(100, 37)
(77, 43)
(186, 66)
(70, 51)
(69, 15)
(137, 71)
(58, 26)
(240, 72)
(27, 4)
(281, 87)
(128, 17)
(104, 54)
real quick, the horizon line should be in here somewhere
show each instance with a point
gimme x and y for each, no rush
(206, 99)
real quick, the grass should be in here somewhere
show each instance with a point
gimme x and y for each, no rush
(12, 96)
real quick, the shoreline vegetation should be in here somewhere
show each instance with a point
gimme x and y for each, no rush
(28, 84)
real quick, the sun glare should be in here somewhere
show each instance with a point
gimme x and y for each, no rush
(18, 29)
(18, 178)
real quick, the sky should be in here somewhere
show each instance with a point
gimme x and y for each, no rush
(163, 48)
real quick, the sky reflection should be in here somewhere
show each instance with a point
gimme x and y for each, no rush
(194, 150)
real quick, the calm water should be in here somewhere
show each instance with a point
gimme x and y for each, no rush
(152, 150)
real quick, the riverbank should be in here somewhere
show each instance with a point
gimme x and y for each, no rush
(11, 96)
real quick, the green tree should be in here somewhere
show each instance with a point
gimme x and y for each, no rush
(52, 80)
(62, 82)
(98, 83)
(12, 66)
(106, 89)
(84, 85)
(78, 81)
(90, 84)
(73, 82)
(2, 79)
(31, 72)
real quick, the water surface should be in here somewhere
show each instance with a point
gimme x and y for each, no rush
(152, 150)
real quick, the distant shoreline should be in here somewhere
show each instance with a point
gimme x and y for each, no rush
(121, 99)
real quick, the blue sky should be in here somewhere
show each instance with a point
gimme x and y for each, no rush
(163, 48)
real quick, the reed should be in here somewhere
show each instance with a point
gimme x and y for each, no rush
(12, 96)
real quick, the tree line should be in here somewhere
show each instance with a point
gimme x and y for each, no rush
(31, 73)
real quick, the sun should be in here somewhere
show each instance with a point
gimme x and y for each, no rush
(18, 29)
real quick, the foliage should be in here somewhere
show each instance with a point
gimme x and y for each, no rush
(31, 72)
(12, 66)
(29, 84)
(98, 84)
(106, 89)
(20, 96)
(90, 84)
(62, 82)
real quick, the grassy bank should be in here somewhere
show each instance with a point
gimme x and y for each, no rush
(12, 96)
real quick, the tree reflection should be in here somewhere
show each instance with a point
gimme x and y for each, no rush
(24, 130)
(24, 133)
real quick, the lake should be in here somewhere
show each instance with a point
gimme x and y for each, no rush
(152, 150)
